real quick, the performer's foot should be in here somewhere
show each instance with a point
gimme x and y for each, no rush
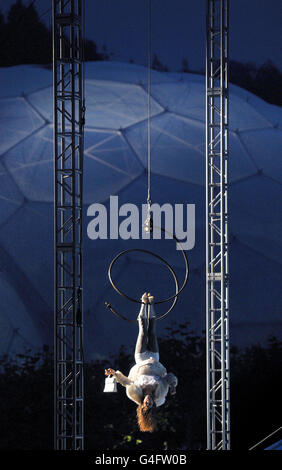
(142, 313)
(151, 310)
(144, 298)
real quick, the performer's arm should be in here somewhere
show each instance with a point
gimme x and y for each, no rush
(172, 381)
(120, 378)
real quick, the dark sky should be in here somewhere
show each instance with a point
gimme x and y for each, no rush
(178, 29)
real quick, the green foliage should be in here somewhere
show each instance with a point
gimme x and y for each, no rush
(25, 39)
(26, 390)
(255, 393)
(158, 65)
(264, 81)
(26, 406)
(185, 66)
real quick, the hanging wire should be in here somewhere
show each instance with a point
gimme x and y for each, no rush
(148, 225)
(149, 103)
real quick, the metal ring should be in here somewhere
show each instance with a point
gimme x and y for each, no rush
(177, 290)
(175, 296)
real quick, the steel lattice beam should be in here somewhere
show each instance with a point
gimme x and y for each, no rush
(217, 297)
(68, 153)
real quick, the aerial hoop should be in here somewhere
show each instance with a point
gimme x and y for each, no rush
(173, 297)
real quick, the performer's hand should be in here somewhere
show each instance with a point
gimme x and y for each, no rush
(144, 298)
(150, 298)
(172, 390)
(109, 372)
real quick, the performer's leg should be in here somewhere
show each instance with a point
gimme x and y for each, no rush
(142, 339)
(152, 337)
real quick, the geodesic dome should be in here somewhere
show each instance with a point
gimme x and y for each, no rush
(115, 164)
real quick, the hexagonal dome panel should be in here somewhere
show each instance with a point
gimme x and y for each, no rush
(116, 164)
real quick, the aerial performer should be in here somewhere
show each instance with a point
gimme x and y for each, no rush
(148, 382)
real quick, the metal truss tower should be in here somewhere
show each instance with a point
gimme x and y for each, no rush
(217, 297)
(68, 154)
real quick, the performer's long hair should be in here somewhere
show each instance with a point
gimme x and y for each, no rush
(146, 419)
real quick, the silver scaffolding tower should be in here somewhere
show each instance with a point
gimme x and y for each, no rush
(68, 154)
(217, 297)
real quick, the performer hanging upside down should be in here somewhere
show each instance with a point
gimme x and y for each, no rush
(148, 382)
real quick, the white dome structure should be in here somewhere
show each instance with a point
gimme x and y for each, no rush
(115, 164)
